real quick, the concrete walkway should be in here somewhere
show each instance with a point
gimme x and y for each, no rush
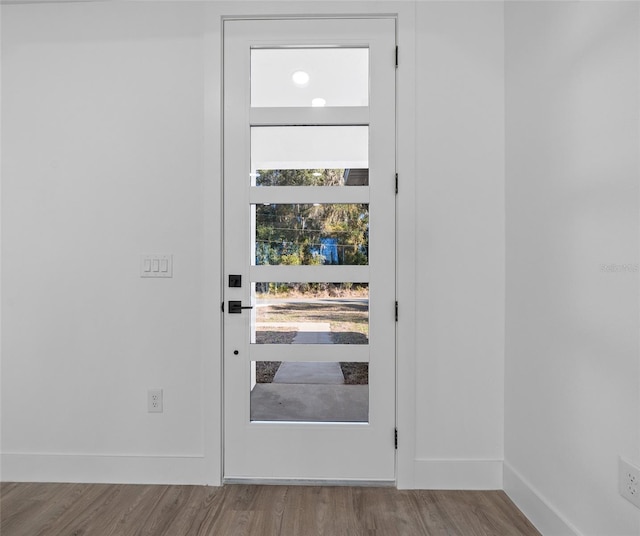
(309, 391)
(310, 403)
(306, 373)
(313, 333)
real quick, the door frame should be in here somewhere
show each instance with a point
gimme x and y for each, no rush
(215, 13)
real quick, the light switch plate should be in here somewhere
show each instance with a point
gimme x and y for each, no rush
(156, 266)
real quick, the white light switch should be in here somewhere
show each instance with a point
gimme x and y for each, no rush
(156, 266)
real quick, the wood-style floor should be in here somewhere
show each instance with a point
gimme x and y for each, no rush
(236, 510)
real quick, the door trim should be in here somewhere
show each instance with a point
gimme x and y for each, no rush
(214, 14)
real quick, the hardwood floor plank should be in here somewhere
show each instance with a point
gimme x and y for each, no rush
(62, 499)
(190, 517)
(237, 510)
(19, 506)
(211, 507)
(132, 511)
(81, 508)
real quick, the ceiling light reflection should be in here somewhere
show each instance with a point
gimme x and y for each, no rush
(300, 78)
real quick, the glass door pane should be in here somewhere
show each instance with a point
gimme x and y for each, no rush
(311, 313)
(301, 77)
(310, 391)
(311, 234)
(310, 156)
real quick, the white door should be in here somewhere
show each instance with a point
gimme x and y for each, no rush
(309, 258)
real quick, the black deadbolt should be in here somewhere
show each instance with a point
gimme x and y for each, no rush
(235, 281)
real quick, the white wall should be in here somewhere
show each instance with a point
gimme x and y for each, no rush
(102, 161)
(111, 149)
(460, 244)
(572, 370)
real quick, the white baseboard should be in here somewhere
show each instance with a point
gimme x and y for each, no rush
(533, 505)
(458, 474)
(106, 469)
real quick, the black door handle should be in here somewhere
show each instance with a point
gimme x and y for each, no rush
(236, 307)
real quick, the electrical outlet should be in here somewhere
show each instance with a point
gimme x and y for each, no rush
(629, 481)
(154, 400)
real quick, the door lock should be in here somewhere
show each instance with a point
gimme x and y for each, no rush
(236, 307)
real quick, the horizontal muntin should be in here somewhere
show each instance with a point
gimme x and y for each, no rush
(331, 353)
(283, 195)
(309, 274)
(325, 115)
